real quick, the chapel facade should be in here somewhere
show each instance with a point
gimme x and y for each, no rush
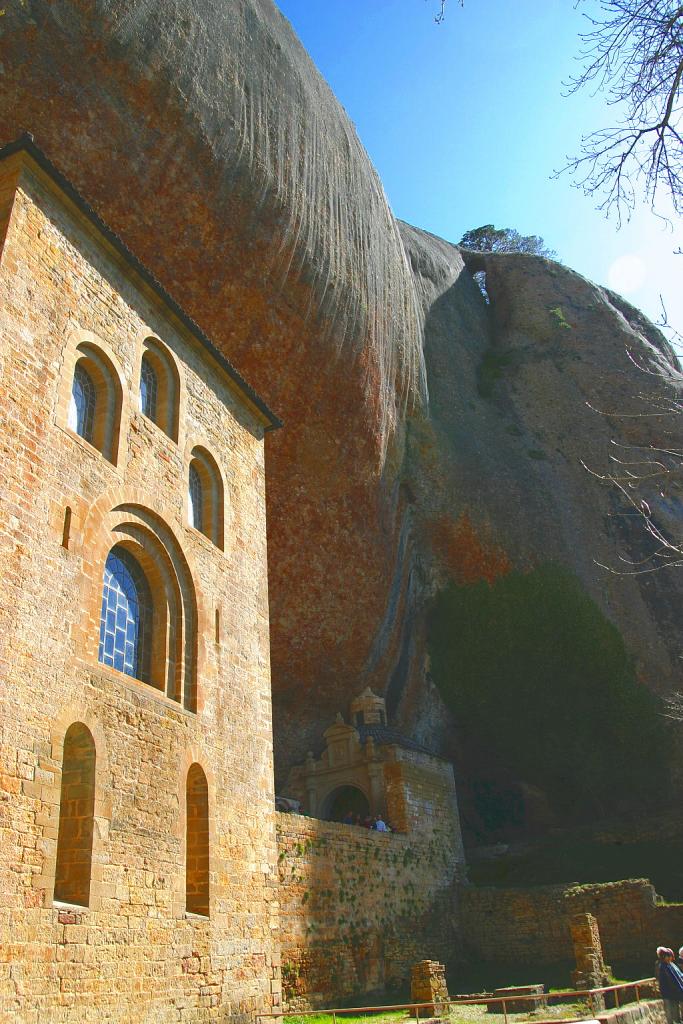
(138, 860)
(367, 769)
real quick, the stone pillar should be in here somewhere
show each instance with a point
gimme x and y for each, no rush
(591, 971)
(376, 776)
(428, 985)
(311, 785)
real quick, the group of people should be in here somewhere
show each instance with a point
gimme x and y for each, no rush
(669, 975)
(377, 823)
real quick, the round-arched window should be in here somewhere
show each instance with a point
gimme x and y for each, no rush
(205, 496)
(126, 617)
(82, 405)
(196, 498)
(149, 389)
(96, 400)
(159, 387)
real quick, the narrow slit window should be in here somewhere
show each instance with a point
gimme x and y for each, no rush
(66, 530)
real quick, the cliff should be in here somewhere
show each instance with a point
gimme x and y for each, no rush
(427, 435)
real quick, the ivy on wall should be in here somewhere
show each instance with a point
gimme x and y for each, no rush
(542, 686)
(355, 905)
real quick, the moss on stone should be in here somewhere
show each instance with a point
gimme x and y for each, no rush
(491, 368)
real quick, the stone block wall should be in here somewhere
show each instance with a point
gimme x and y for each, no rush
(130, 948)
(420, 795)
(532, 925)
(358, 908)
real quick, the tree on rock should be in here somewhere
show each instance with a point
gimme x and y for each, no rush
(488, 238)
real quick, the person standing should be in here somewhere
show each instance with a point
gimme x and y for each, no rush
(670, 980)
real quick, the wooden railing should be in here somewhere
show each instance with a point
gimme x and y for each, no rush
(591, 994)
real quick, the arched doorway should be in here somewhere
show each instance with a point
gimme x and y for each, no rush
(345, 799)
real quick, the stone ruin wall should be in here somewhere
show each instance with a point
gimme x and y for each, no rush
(358, 908)
(531, 926)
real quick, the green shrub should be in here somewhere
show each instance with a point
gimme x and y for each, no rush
(541, 685)
(559, 318)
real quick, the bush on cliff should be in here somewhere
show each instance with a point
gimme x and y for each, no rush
(542, 687)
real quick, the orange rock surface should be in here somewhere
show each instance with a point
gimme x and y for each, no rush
(205, 138)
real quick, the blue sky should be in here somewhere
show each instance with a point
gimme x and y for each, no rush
(466, 123)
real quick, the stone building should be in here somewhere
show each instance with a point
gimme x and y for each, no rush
(368, 768)
(137, 863)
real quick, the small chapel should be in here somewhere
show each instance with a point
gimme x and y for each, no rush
(366, 769)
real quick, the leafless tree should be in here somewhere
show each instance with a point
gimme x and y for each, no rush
(649, 477)
(633, 52)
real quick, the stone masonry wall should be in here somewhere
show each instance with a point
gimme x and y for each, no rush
(358, 908)
(133, 953)
(420, 795)
(530, 926)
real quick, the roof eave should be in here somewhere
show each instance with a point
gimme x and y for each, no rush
(26, 143)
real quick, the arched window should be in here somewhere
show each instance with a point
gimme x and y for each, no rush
(149, 387)
(205, 496)
(197, 842)
(159, 387)
(126, 617)
(148, 620)
(95, 401)
(195, 499)
(76, 817)
(82, 405)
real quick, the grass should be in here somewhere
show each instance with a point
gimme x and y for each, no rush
(377, 1017)
(480, 1015)
(458, 1015)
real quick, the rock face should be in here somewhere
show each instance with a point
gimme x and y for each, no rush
(426, 434)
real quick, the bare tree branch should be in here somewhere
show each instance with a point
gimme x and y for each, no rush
(648, 478)
(633, 52)
(441, 16)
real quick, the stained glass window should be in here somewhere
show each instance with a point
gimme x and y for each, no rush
(196, 499)
(82, 405)
(149, 388)
(126, 618)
